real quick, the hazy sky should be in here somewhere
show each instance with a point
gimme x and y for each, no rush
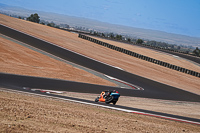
(173, 16)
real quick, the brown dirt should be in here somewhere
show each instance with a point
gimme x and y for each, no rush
(26, 113)
(128, 63)
(15, 59)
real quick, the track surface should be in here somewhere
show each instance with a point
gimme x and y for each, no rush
(63, 85)
(152, 89)
(110, 106)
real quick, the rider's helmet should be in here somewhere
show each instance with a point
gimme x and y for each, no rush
(115, 91)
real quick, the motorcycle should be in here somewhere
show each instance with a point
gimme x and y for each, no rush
(108, 97)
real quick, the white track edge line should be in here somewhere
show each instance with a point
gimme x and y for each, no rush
(114, 108)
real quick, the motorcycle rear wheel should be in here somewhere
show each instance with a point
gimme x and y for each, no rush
(114, 102)
(109, 99)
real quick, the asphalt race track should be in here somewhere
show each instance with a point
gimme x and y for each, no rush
(7, 80)
(152, 89)
(111, 106)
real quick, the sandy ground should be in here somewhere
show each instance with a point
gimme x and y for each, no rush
(128, 63)
(25, 113)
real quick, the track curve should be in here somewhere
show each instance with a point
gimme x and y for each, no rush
(152, 89)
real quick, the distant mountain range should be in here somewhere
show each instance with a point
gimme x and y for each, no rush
(145, 34)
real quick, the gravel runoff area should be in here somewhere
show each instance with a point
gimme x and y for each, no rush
(27, 113)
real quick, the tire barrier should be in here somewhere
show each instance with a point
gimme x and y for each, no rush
(166, 50)
(153, 89)
(149, 59)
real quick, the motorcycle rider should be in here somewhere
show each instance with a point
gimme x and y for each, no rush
(106, 94)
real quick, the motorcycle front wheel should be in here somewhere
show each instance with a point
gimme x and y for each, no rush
(97, 99)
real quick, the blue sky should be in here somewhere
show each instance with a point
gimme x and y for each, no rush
(173, 16)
